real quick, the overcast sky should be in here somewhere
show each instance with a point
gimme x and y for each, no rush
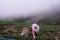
(9, 8)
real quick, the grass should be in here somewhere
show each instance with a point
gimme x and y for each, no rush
(47, 32)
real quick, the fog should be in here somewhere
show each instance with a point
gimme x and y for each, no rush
(17, 8)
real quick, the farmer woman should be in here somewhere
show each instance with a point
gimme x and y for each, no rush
(35, 29)
(25, 31)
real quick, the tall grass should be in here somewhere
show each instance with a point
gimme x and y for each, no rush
(47, 32)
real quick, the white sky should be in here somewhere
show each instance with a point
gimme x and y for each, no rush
(24, 7)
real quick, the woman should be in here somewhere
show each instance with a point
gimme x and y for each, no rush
(25, 31)
(35, 29)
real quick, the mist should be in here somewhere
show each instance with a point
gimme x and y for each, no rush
(18, 8)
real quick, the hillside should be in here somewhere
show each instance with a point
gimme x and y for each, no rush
(47, 32)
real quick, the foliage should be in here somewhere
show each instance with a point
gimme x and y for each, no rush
(47, 32)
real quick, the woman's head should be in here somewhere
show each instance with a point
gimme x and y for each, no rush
(35, 27)
(25, 29)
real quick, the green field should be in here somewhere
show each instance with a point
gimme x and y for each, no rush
(47, 32)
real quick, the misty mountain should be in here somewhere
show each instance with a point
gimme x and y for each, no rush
(49, 17)
(53, 17)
